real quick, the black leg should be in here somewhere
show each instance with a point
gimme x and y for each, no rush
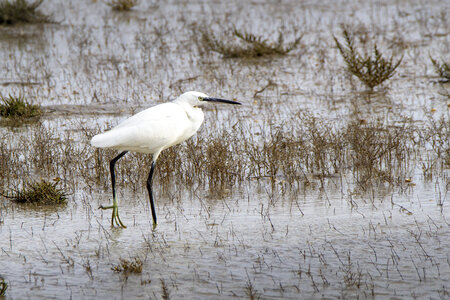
(114, 206)
(111, 169)
(150, 193)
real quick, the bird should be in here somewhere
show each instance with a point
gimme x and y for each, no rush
(151, 131)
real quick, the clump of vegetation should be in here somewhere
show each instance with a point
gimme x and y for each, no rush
(373, 69)
(20, 11)
(442, 68)
(129, 266)
(122, 5)
(17, 108)
(39, 193)
(437, 135)
(3, 287)
(254, 46)
(377, 151)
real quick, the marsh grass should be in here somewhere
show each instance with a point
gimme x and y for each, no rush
(378, 152)
(294, 154)
(437, 135)
(122, 5)
(17, 109)
(372, 69)
(303, 149)
(39, 193)
(251, 292)
(250, 45)
(21, 11)
(221, 162)
(442, 69)
(3, 287)
(128, 266)
(165, 292)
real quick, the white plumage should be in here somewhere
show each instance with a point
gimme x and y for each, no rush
(153, 130)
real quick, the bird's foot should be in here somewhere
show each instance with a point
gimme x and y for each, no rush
(115, 215)
(105, 207)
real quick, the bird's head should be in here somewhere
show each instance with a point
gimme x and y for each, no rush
(198, 99)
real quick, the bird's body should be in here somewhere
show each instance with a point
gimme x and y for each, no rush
(151, 131)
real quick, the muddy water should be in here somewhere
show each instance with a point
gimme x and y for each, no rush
(97, 66)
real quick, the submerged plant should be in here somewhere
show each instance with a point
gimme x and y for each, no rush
(122, 5)
(373, 69)
(128, 266)
(39, 193)
(442, 68)
(254, 46)
(20, 11)
(17, 108)
(3, 287)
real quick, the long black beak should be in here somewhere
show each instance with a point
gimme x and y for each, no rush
(211, 99)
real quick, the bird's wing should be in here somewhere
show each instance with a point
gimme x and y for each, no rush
(148, 131)
(155, 114)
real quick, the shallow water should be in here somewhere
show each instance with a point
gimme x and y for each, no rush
(310, 246)
(97, 67)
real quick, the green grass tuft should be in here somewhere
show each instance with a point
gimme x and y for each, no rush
(39, 193)
(17, 108)
(20, 11)
(373, 69)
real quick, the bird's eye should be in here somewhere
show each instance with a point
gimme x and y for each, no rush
(200, 98)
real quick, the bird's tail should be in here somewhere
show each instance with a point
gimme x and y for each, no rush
(101, 141)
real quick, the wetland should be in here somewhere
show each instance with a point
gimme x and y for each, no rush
(322, 185)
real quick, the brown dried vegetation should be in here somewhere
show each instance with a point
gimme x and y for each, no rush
(442, 69)
(129, 266)
(308, 149)
(250, 45)
(373, 69)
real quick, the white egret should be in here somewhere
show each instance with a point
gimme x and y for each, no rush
(151, 131)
